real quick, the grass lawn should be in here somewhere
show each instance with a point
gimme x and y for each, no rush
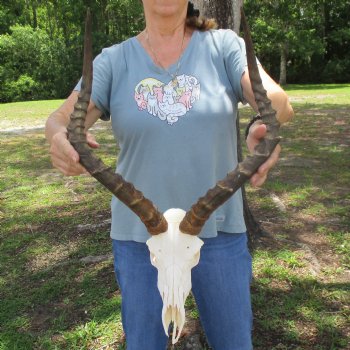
(51, 299)
(26, 114)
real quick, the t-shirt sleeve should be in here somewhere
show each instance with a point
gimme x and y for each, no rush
(101, 84)
(235, 61)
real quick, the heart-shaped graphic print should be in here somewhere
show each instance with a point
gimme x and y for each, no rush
(167, 101)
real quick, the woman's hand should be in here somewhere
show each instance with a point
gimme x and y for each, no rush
(256, 132)
(64, 157)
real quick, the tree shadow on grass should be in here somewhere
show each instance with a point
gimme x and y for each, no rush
(69, 295)
(45, 289)
(301, 317)
(64, 298)
(64, 295)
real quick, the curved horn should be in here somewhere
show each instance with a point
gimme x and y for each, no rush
(124, 191)
(199, 213)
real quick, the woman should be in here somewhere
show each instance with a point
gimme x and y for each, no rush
(172, 93)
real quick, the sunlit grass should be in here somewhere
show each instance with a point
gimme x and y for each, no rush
(26, 114)
(51, 300)
(319, 93)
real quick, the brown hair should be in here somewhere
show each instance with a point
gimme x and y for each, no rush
(195, 21)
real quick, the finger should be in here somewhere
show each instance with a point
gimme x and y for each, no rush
(70, 152)
(64, 157)
(271, 161)
(68, 169)
(58, 153)
(258, 130)
(258, 180)
(62, 161)
(260, 176)
(62, 148)
(92, 141)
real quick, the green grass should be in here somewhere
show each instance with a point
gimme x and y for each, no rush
(45, 292)
(26, 114)
(326, 94)
(51, 300)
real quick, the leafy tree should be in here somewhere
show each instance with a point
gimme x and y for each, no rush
(336, 17)
(12, 12)
(285, 32)
(31, 65)
(41, 44)
(307, 39)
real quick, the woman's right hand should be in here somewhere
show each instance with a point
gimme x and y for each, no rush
(64, 157)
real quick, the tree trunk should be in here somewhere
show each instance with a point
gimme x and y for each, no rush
(35, 17)
(327, 29)
(228, 15)
(49, 20)
(283, 64)
(253, 227)
(236, 10)
(104, 16)
(221, 10)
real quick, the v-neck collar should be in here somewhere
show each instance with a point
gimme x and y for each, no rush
(172, 68)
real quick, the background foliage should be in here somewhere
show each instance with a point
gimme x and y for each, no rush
(41, 41)
(312, 35)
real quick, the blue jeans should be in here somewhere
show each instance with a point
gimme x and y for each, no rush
(220, 285)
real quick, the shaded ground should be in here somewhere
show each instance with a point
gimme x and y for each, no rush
(57, 300)
(313, 222)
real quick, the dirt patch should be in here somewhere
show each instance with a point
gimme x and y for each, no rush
(45, 316)
(56, 256)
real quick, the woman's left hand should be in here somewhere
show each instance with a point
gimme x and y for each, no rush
(256, 132)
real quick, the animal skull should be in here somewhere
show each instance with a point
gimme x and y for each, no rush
(174, 254)
(176, 248)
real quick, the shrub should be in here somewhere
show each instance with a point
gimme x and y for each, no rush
(24, 88)
(32, 66)
(337, 70)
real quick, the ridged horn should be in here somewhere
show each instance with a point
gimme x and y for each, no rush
(199, 213)
(124, 191)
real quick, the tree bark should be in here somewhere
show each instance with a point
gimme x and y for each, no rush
(49, 20)
(236, 10)
(253, 226)
(221, 10)
(283, 64)
(228, 15)
(35, 17)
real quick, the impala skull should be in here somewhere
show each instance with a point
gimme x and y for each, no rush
(174, 246)
(174, 254)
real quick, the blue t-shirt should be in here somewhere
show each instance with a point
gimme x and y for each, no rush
(177, 136)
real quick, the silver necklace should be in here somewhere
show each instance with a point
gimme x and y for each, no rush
(173, 76)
